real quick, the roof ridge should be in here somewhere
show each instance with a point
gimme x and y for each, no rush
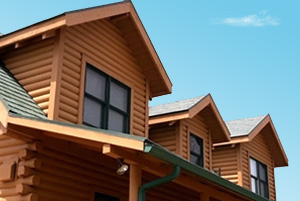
(247, 118)
(178, 101)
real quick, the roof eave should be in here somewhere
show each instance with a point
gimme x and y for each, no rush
(172, 158)
(87, 15)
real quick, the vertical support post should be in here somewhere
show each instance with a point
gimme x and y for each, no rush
(56, 75)
(135, 180)
(240, 166)
(204, 197)
(147, 108)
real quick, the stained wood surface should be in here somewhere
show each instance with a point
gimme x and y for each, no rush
(31, 65)
(101, 44)
(198, 127)
(226, 158)
(232, 158)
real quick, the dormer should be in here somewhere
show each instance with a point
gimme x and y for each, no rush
(94, 66)
(251, 155)
(189, 128)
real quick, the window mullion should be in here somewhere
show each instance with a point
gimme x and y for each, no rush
(106, 106)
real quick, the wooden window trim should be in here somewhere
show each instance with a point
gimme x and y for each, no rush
(257, 178)
(84, 60)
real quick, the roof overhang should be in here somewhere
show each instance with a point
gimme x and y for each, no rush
(208, 109)
(135, 150)
(145, 53)
(92, 137)
(267, 129)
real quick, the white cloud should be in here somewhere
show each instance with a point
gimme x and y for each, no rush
(260, 20)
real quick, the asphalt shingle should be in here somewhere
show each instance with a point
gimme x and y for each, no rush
(242, 127)
(16, 97)
(177, 106)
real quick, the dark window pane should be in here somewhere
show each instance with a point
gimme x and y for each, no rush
(253, 185)
(194, 159)
(253, 167)
(194, 145)
(263, 189)
(115, 121)
(262, 172)
(118, 96)
(92, 112)
(95, 84)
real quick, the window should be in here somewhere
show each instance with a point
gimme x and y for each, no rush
(103, 197)
(106, 101)
(259, 178)
(196, 150)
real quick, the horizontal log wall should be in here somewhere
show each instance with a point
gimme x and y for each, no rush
(21, 187)
(168, 191)
(259, 150)
(31, 65)
(72, 173)
(226, 158)
(102, 42)
(198, 127)
(165, 136)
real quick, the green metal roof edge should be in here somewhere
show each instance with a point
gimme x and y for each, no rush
(166, 155)
(163, 154)
(88, 128)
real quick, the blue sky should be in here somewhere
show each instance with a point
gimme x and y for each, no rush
(245, 53)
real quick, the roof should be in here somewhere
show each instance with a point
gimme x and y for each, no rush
(15, 97)
(245, 130)
(241, 127)
(93, 137)
(118, 13)
(189, 108)
(178, 106)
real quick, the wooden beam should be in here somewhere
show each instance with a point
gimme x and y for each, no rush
(48, 34)
(240, 164)
(135, 180)
(32, 31)
(75, 18)
(56, 72)
(204, 197)
(172, 123)
(168, 118)
(161, 169)
(92, 138)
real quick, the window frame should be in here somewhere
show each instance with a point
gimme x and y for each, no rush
(106, 104)
(191, 134)
(257, 178)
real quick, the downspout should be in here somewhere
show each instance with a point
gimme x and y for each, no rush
(157, 182)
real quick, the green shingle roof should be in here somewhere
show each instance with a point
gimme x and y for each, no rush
(15, 97)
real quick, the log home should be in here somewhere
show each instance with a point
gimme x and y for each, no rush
(190, 128)
(186, 125)
(251, 155)
(74, 92)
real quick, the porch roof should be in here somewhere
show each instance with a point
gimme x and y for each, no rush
(92, 136)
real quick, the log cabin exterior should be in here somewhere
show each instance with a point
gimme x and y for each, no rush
(254, 142)
(54, 147)
(172, 125)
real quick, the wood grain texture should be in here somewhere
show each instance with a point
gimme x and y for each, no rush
(31, 65)
(226, 158)
(198, 127)
(101, 44)
(259, 150)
